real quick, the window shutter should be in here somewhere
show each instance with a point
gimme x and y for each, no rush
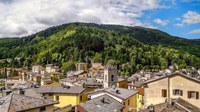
(181, 92)
(197, 95)
(174, 92)
(189, 95)
(164, 93)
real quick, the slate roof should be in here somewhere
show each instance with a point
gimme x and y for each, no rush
(122, 93)
(118, 92)
(22, 85)
(49, 65)
(136, 84)
(29, 92)
(120, 79)
(173, 75)
(187, 105)
(16, 102)
(34, 74)
(179, 105)
(92, 81)
(103, 103)
(61, 89)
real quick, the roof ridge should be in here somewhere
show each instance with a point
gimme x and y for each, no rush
(30, 97)
(10, 101)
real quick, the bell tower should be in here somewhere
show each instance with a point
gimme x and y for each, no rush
(110, 76)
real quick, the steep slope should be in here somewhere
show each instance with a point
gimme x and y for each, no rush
(79, 42)
(145, 35)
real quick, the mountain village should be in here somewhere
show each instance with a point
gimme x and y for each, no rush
(98, 89)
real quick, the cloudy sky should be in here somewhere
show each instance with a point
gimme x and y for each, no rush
(176, 17)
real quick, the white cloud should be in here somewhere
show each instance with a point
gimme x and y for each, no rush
(23, 17)
(197, 31)
(179, 24)
(178, 19)
(161, 22)
(190, 17)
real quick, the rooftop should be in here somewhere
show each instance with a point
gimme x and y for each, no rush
(118, 92)
(179, 105)
(103, 103)
(61, 89)
(136, 84)
(16, 102)
(172, 75)
(121, 92)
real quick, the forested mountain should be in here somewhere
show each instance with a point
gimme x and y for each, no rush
(132, 48)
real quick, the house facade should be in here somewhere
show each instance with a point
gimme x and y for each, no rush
(65, 95)
(37, 68)
(81, 66)
(167, 88)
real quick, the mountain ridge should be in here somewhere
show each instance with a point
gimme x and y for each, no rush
(109, 44)
(145, 35)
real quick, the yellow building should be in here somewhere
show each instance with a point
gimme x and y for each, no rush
(129, 98)
(139, 101)
(36, 77)
(55, 74)
(21, 103)
(65, 95)
(81, 66)
(122, 83)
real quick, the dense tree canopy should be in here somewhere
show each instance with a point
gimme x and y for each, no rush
(64, 46)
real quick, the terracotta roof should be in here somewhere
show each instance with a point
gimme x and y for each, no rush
(16, 102)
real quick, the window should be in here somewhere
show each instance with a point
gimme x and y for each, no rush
(177, 92)
(57, 98)
(193, 95)
(50, 94)
(43, 109)
(128, 102)
(21, 92)
(112, 78)
(81, 98)
(164, 93)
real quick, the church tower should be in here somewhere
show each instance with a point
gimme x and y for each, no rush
(110, 76)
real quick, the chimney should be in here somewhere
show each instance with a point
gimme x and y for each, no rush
(21, 91)
(103, 100)
(66, 86)
(118, 91)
